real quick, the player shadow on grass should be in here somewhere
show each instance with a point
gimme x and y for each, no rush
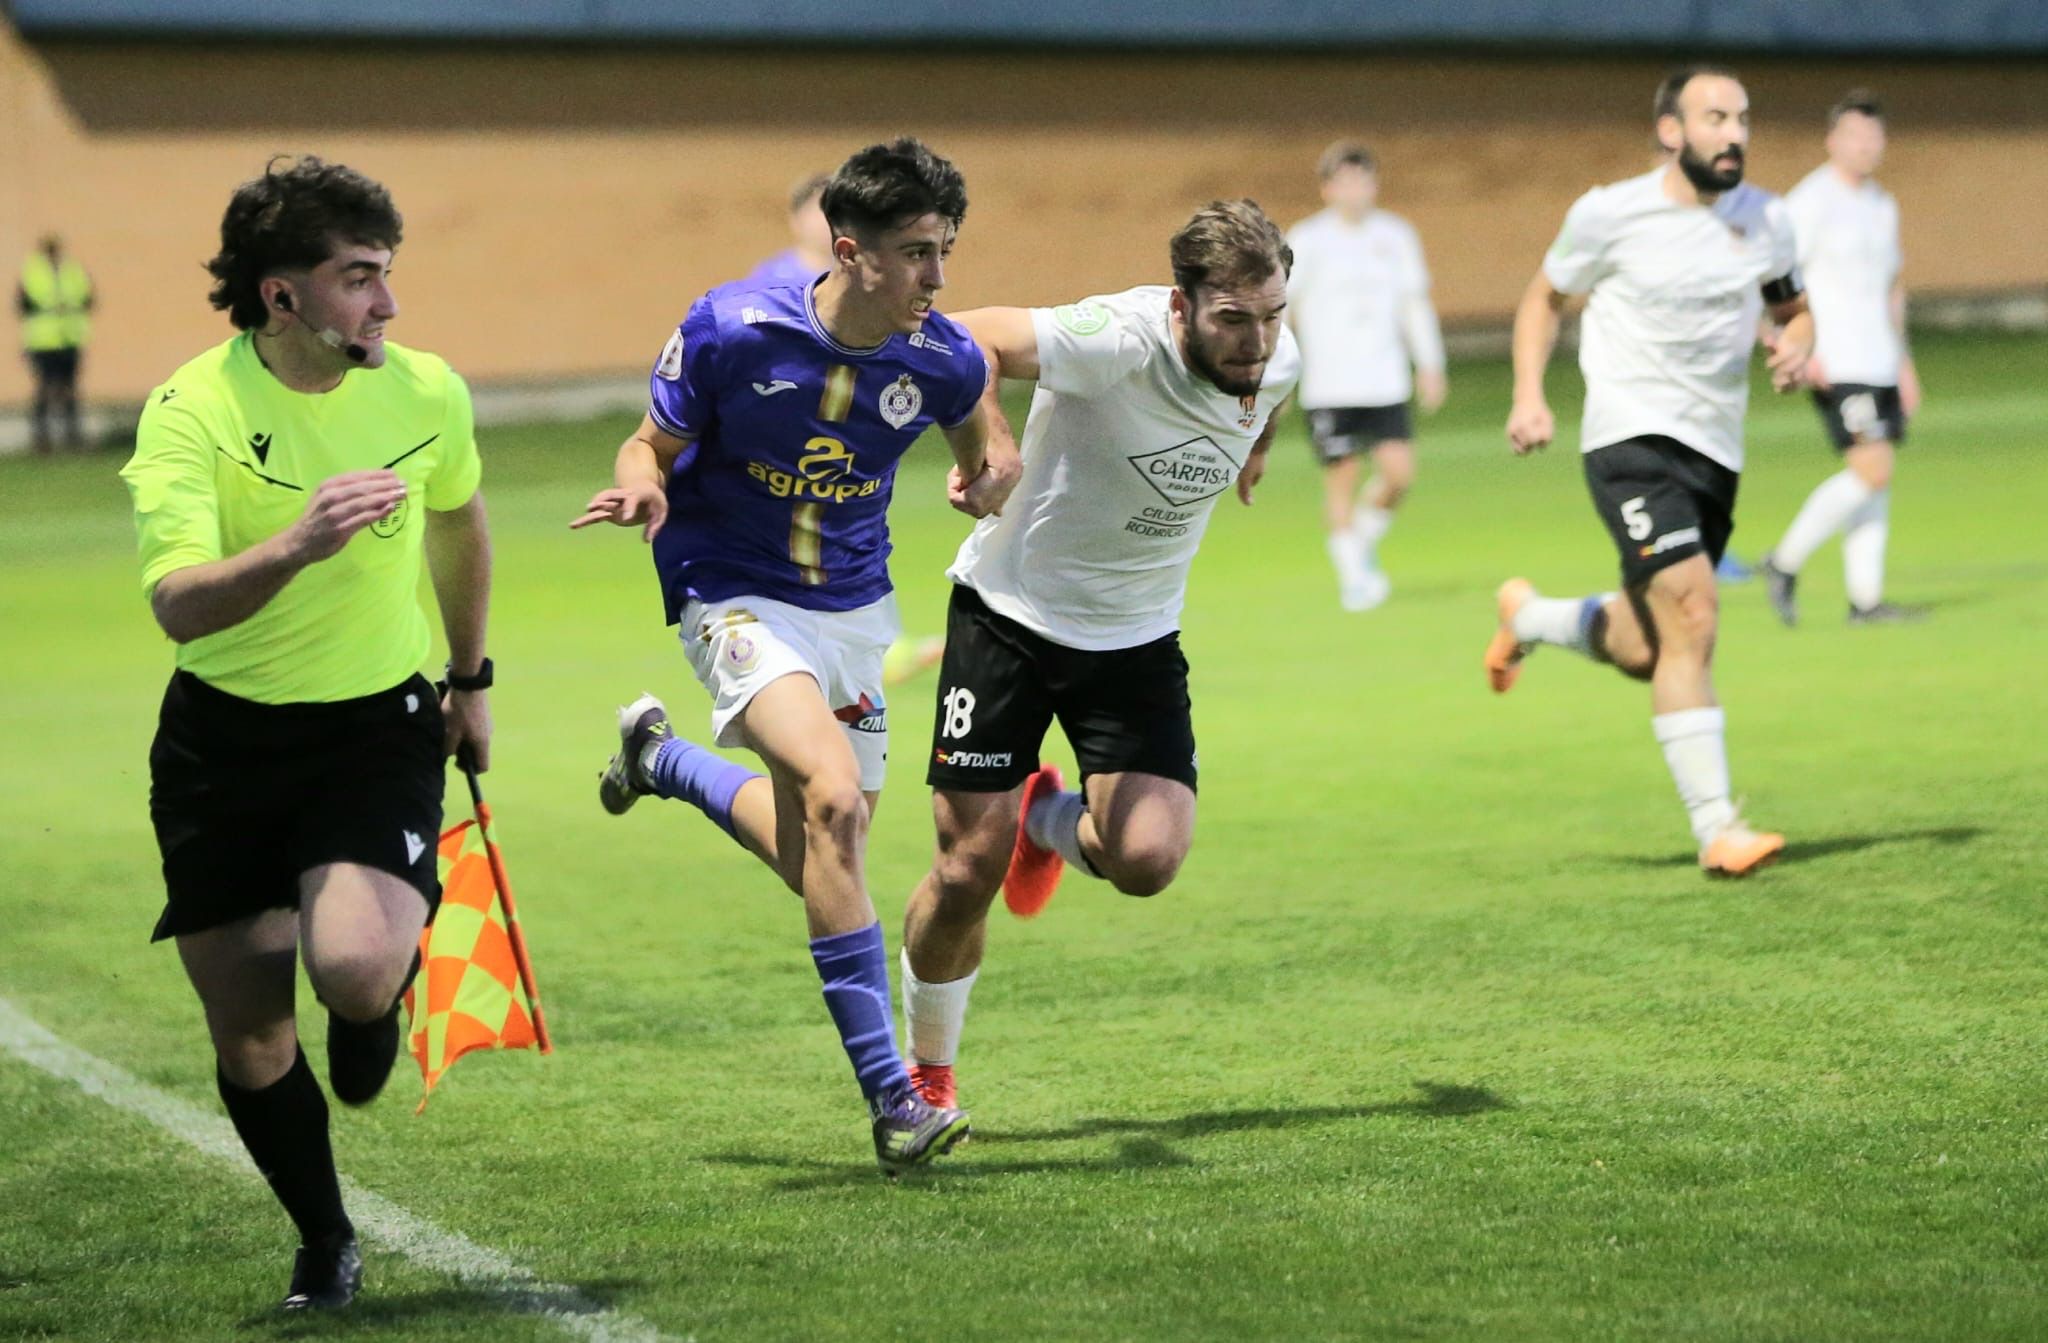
(1807, 850)
(1144, 1147)
(375, 1313)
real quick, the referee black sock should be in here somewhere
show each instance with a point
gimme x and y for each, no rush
(284, 1126)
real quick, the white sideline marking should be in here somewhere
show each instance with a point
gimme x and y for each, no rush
(512, 1285)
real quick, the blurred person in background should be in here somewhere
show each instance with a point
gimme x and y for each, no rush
(1677, 266)
(54, 298)
(1358, 300)
(1862, 373)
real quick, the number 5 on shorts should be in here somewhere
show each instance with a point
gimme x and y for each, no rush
(1639, 523)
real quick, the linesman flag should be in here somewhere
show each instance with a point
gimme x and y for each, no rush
(474, 971)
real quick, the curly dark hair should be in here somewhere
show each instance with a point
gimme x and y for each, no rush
(291, 218)
(887, 186)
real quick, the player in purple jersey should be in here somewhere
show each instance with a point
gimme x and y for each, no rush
(762, 475)
(809, 254)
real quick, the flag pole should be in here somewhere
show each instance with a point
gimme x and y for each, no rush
(504, 885)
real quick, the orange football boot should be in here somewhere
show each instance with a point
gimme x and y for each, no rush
(1738, 851)
(1504, 653)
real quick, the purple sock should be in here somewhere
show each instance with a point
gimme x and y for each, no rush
(709, 782)
(855, 968)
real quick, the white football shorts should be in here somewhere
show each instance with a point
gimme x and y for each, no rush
(741, 644)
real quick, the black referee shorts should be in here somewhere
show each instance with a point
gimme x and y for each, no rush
(245, 796)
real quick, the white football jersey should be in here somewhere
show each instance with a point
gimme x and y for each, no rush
(1126, 452)
(1352, 299)
(1675, 296)
(1849, 254)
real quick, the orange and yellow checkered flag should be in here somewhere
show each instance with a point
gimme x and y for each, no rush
(475, 975)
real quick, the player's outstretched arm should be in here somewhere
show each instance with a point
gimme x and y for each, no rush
(986, 465)
(1009, 342)
(1537, 317)
(1007, 337)
(639, 495)
(203, 599)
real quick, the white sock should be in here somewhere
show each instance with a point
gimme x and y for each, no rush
(933, 1015)
(1347, 556)
(1863, 551)
(1826, 511)
(1696, 752)
(1564, 621)
(1369, 525)
(1054, 823)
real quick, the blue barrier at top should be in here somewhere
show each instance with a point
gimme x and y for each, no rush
(1952, 27)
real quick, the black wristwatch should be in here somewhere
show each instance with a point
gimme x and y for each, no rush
(480, 681)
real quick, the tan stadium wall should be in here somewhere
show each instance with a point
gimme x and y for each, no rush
(564, 206)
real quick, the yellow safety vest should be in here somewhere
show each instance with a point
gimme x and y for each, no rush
(57, 299)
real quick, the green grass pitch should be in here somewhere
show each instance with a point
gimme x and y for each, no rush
(1440, 1034)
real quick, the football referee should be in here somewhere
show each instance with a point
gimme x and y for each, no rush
(286, 484)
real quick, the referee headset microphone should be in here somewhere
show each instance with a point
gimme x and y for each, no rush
(327, 334)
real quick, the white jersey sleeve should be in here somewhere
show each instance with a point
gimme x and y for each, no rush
(1807, 209)
(1085, 348)
(1419, 327)
(1578, 259)
(1784, 239)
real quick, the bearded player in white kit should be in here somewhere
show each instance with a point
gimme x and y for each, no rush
(1150, 405)
(1358, 300)
(1678, 266)
(1862, 375)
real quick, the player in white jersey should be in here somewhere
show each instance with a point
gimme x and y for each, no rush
(1862, 374)
(1358, 300)
(1677, 266)
(1151, 404)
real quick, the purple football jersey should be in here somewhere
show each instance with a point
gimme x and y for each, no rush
(785, 492)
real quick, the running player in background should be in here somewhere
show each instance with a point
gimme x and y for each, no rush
(1678, 266)
(1862, 375)
(762, 475)
(1150, 405)
(1358, 300)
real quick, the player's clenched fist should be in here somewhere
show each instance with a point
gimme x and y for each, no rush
(1530, 426)
(341, 507)
(644, 506)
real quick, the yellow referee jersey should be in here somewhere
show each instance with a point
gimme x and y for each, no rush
(227, 456)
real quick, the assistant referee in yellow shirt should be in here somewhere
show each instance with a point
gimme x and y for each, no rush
(286, 485)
